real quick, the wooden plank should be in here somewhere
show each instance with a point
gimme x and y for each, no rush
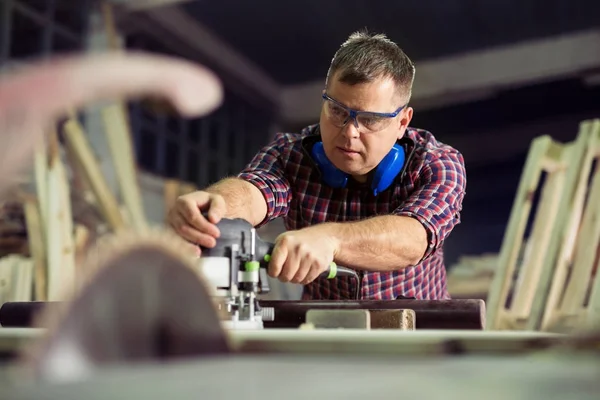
(588, 239)
(561, 248)
(40, 167)
(513, 237)
(118, 134)
(59, 228)
(543, 230)
(6, 278)
(353, 341)
(592, 313)
(22, 278)
(37, 247)
(404, 320)
(16, 278)
(77, 143)
(585, 278)
(120, 140)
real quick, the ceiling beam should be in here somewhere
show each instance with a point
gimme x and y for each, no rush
(475, 75)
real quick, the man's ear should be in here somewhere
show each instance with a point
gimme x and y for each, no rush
(405, 118)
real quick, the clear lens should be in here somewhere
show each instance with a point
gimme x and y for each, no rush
(373, 123)
(367, 122)
(336, 114)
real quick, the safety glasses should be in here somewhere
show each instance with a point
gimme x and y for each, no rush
(366, 121)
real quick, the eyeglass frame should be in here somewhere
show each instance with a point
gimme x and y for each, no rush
(353, 114)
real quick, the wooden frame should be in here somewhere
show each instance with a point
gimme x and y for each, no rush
(564, 306)
(564, 231)
(552, 158)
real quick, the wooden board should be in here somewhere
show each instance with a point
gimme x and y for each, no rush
(350, 341)
(78, 145)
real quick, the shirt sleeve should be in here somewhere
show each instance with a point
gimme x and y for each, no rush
(266, 171)
(437, 199)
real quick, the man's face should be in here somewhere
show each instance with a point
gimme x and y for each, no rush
(353, 150)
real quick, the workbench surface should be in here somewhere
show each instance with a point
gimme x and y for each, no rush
(533, 377)
(349, 341)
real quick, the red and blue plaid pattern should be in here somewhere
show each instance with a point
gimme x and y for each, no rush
(432, 192)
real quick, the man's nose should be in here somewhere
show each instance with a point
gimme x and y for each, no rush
(351, 129)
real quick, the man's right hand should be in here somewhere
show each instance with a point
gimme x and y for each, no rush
(187, 219)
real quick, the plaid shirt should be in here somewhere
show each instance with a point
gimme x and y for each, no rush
(432, 192)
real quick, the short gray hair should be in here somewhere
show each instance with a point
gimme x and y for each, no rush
(364, 57)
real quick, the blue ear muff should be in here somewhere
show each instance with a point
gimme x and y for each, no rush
(388, 169)
(329, 173)
(384, 175)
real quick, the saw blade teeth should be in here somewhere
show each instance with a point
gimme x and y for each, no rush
(108, 252)
(112, 246)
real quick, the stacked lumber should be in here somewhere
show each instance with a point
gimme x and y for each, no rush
(471, 276)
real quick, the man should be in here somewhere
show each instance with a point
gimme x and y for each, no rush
(360, 188)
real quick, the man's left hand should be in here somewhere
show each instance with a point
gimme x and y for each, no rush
(301, 256)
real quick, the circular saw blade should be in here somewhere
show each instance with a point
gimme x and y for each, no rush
(141, 299)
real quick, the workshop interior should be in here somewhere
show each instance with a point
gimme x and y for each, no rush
(98, 302)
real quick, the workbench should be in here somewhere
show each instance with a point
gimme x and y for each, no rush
(353, 341)
(342, 364)
(349, 377)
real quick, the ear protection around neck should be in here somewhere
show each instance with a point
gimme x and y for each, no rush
(392, 166)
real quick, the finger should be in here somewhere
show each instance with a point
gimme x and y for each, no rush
(189, 233)
(193, 249)
(199, 238)
(189, 247)
(190, 212)
(290, 267)
(316, 271)
(277, 260)
(303, 270)
(217, 209)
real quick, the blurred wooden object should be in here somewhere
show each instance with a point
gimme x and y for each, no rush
(58, 225)
(472, 276)
(37, 248)
(563, 230)
(116, 122)
(120, 139)
(574, 294)
(551, 158)
(15, 278)
(77, 143)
